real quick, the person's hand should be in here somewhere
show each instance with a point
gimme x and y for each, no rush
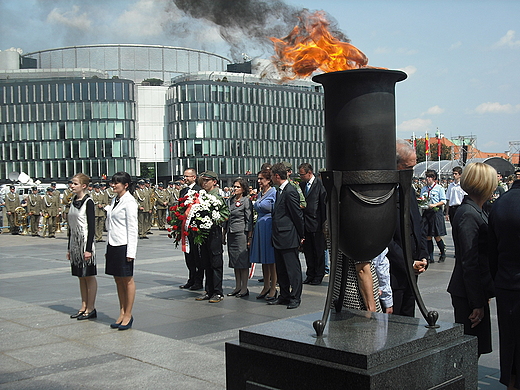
(129, 259)
(447, 217)
(476, 316)
(419, 266)
(87, 256)
(389, 310)
(68, 255)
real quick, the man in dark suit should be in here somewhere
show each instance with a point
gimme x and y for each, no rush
(402, 293)
(193, 260)
(288, 235)
(314, 216)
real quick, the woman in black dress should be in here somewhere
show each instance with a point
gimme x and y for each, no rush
(122, 246)
(81, 253)
(471, 285)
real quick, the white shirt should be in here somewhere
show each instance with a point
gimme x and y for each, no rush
(122, 224)
(455, 194)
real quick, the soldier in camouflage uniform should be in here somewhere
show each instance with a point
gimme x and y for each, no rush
(34, 210)
(99, 199)
(50, 210)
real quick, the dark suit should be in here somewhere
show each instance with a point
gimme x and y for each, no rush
(471, 284)
(288, 230)
(193, 260)
(402, 293)
(314, 216)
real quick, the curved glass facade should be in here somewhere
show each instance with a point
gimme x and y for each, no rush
(133, 62)
(53, 129)
(233, 128)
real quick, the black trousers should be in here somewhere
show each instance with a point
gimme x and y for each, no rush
(451, 213)
(314, 251)
(213, 264)
(404, 302)
(289, 271)
(194, 264)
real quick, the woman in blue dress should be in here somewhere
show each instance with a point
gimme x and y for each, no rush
(261, 250)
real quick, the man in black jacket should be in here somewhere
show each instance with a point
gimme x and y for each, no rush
(193, 260)
(314, 216)
(288, 234)
(403, 297)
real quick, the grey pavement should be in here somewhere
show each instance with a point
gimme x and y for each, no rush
(176, 342)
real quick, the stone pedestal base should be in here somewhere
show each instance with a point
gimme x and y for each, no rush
(359, 350)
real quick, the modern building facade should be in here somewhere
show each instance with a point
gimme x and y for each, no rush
(233, 123)
(92, 109)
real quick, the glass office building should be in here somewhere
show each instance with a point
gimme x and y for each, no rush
(54, 128)
(233, 123)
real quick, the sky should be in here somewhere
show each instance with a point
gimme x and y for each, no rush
(462, 57)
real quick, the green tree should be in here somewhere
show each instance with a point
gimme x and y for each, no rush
(421, 156)
(147, 170)
(153, 82)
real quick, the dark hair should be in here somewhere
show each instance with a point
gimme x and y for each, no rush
(279, 169)
(266, 173)
(243, 184)
(431, 173)
(306, 167)
(458, 170)
(265, 167)
(124, 178)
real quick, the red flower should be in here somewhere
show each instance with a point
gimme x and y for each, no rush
(173, 208)
(169, 229)
(195, 228)
(186, 233)
(177, 214)
(168, 219)
(175, 227)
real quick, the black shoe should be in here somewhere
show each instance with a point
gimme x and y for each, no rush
(232, 294)
(279, 301)
(196, 287)
(269, 299)
(203, 297)
(88, 316)
(115, 325)
(216, 298)
(442, 257)
(308, 280)
(293, 304)
(144, 237)
(149, 233)
(240, 295)
(261, 280)
(262, 296)
(127, 326)
(186, 286)
(315, 282)
(78, 314)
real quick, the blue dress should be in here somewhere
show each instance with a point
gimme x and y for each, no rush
(262, 250)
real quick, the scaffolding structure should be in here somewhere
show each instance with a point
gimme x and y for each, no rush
(467, 148)
(514, 152)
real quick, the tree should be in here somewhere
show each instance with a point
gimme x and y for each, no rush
(153, 82)
(147, 170)
(421, 156)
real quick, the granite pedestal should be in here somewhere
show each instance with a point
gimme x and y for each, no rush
(359, 350)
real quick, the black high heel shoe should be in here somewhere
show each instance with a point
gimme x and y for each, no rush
(232, 294)
(79, 313)
(115, 325)
(269, 299)
(127, 326)
(88, 316)
(240, 295)
(262, 296)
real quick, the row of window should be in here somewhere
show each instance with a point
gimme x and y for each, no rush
(244, 113)
(244, 130)
(60, 169)
(67, 149)
(246, 94)
(247, 167)
(66, 111)
(67, 130)
(239, 148)
(71, 91)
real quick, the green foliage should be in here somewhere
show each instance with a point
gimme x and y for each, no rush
(421, 156)
(153, 82)
(147, 170)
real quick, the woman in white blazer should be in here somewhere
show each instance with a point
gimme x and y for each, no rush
(122, 246)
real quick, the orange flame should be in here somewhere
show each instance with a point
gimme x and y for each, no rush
(311, 46)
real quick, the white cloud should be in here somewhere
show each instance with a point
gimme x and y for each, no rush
(71, 18)
(143, 18)
(497, 108)
(417, 126)
(435, 110)
(508, 40)
(383, 50)
(456, 45)
(409, 70)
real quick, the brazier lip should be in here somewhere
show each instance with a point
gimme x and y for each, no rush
(350, 72)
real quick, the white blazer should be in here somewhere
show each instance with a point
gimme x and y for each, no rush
(122, 224)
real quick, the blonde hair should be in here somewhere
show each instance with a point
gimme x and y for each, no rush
(479, 180)
(82, 178)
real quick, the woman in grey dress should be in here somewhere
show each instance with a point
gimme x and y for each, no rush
(238, 231)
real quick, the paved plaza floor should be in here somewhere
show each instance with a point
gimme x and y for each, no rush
(175, 343)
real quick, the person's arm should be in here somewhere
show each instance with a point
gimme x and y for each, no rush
(366, 285)
(91, 224)
(382, 267)
(131, 228)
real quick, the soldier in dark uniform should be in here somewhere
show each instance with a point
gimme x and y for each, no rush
(34, 209)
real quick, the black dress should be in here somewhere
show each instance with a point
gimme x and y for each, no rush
(81, 231)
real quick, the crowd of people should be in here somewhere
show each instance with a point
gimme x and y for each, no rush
(283, 217)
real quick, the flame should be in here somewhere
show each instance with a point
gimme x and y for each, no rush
(311, 46)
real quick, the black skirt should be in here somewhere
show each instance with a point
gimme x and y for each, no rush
(116, 263)
(462, 311)
(433, 223)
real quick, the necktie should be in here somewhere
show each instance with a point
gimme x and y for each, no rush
(307, 188)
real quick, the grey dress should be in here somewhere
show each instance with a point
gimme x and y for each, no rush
(237, 228)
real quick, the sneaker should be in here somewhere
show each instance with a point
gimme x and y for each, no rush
(216, 298)
(203, 297)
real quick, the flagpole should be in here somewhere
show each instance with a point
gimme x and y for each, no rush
(426, 149)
